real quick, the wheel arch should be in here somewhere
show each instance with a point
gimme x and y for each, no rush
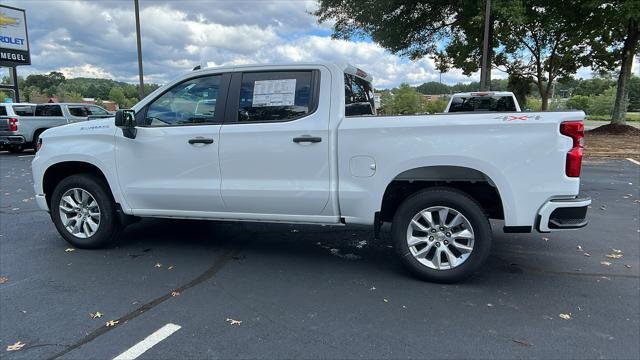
(58, 171)
(475, 182)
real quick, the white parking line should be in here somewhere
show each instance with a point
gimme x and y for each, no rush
(634, 161)
(150, 341)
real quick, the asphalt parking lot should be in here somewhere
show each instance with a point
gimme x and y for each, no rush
(283, 291)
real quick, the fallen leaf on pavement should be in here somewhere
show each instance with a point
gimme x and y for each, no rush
(95, 315)
(372, 288)
(565, 316)
(603, 207)
(112, 323)
(15, 347)
(175, 293)
(605, 263)
(579, 248)
(587, 254)
(69, 249)
(490, 305)
(234, 322)
(614, 256)
(545, 239)
(628, 266)
(385, 300)
(170, 267)
(3, 279)
(616, 251)
(158, 265)
(521, 342)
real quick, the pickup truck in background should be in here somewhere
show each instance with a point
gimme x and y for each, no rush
(483, 101)
(22, 124)
(300, 144)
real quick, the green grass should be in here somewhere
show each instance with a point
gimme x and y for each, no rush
(631, 116)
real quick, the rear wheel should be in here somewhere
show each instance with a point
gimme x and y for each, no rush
(441, 234)
(84, 212)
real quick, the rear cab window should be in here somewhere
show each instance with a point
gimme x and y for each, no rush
(358, 95)
(277, 95)
(482, 103)
(3, 110)
(48, 110)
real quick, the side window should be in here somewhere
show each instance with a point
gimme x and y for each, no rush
(3, 110)
(97, 110)
(358, 96)
(48, 110)
(276, 96)
(23, 110)
(190, 102)
(78, 110)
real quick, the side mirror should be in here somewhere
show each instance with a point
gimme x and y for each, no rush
(126, 120)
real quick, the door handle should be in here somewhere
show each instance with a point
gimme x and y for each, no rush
(307, 138)
(200, 140)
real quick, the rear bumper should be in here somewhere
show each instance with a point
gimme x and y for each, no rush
(12, 140)
(563, 214)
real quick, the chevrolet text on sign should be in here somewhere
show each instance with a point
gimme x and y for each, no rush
(14, 42)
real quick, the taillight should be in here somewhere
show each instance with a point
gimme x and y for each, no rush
(575, 130)
(13, 124)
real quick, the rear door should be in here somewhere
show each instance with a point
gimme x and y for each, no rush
(274, 145)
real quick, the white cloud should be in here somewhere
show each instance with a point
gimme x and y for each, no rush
(98, 39)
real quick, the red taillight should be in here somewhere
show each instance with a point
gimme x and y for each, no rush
(13, 124)
(575, 130)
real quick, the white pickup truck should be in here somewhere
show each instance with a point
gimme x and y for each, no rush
(301, 144)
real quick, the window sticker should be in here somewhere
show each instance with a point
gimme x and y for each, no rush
(274, 92)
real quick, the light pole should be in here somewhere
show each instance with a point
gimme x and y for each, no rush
(486, 67)
(141, 88)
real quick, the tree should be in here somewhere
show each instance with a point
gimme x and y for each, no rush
(45, 83)
(520, 86)
(406, 100)
(543, 40)
(634, 94)
(579, 102)
(117, 95)
(433, 88)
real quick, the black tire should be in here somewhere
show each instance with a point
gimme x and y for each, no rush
(109, 227)
(16, 149)
(462, 203)
(36, 138)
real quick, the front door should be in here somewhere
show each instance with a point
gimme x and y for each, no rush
(274, 154)
(171, 166)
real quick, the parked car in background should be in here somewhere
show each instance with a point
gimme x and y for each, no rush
(21, 124)
(483, 101)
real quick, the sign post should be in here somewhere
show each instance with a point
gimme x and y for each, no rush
(14, 44)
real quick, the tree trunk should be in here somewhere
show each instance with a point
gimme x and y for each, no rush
(622, 92)
(544, 97)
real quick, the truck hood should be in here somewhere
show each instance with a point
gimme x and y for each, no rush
(97, 126)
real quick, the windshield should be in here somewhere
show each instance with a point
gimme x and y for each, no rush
(482, 103)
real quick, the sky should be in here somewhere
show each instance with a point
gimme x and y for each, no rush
(97, 39)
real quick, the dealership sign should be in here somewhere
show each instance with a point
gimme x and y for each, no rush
(14, 42)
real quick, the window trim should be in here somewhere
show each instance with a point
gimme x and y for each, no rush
(233, 98)
(225, 79)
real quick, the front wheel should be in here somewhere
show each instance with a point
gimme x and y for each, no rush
(84, 212)
(441, 234)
